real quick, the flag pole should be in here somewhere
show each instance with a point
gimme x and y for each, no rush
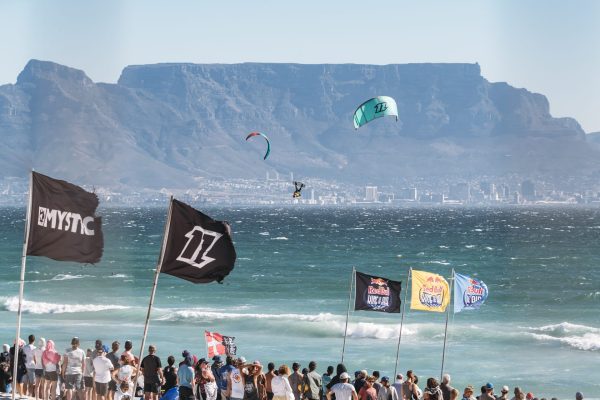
(348, 313)
(401, 323)
(446, 330)
(22, 287)
(153, 292)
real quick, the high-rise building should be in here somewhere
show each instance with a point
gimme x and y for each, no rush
(528, 190)
(371, 194)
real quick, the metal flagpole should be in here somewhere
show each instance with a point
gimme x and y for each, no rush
(402, 322)
(348, 313)
(156, 274)
(21, 288)
(446, 330)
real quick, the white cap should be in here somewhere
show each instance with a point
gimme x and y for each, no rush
(344, 375)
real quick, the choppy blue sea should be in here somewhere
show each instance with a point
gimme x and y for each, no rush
(286, 299)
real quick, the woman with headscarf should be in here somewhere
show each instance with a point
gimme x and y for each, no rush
(50, 361)
(185, 379)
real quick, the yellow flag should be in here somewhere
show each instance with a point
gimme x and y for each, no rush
(430, 292)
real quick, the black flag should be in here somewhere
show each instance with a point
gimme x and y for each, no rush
(63, 225)
(374, 293)
(198, 248)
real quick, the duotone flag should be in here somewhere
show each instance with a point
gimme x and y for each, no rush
(198, 248)
(430, 292)
(63, 224)
(374, 293)
(469, 293)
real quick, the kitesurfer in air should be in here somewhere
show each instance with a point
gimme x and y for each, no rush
(299, 186)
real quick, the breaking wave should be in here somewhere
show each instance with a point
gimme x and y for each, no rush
(38, 307)
(580, 337)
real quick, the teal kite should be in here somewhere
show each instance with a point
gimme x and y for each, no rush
(376, 107)
(252, 134)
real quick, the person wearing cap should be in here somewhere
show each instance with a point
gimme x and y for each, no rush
(215, 368)
(343, 390)
(529, 396)
(312, 382)
(206, 385)
(489, 392)
(102, 368)
(386, 392)
(185, 379)
(151, 368)
(113, 356)
(360, 378)
(468, 393)
(72, 369)
(503, 393)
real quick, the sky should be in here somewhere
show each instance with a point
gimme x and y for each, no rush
(546, 46)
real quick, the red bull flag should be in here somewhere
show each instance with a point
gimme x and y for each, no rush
(430, 292)
(469, 293)
(374, 293)
(219, 345)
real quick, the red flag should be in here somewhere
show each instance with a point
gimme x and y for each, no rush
(219, 345)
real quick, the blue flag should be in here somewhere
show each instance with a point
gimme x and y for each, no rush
(469, 293)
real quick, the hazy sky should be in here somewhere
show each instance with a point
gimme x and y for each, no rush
(546, 46)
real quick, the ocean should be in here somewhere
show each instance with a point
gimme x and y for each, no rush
(286, 299)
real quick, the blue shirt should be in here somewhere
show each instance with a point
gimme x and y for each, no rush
(224, 371)
(185, 375)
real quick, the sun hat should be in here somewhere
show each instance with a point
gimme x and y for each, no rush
(505, 389)
(344, 375)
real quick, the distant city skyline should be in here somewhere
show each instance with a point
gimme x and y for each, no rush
(550, 47)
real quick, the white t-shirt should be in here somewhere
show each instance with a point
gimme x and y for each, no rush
(75, 358)
(343, 391)
(50, 367)
(125, 373)
(237, 388)
(37, 353)
(102, 368)
(28, 351)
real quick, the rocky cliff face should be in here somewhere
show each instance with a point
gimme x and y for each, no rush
(163, 125)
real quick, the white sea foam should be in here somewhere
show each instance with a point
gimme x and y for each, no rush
(38, 307)
(264, 233)
(199, 314)
(280, 238)
(581, 337)
(66, 277)
(118, 276)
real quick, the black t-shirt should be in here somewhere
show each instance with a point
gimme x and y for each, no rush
(250, 389)
(151, 365)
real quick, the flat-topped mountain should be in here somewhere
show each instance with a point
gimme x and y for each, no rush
(165, 124)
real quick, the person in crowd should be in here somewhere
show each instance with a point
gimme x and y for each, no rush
(280, 385)
(206, 387)
(17, 384)
(88, 375)
(367, 391)
(5, 354)
(224, 373)
(113, 356)
(325, 379)
(340, 369)
(50, 364)
(578, 396)
(342, 390)
(377, 385)
(102, 368)
(360, 380)
(296, 379)
(386, 392)
(503, 393)
(483, 391)
(268, 378)
(39, 369)
(468, 393)
(170, 374)
(410, 390)
(123, 392)
(529, 396)
(489, 392)
(72, 370)
(454, 394)
(215, 368)
(312, 382)
(128, 353)
(185, 379)
(151, 368)
(432, 390)
(5, 378)
(97, 345)
(29, 380)
(125, 372)
(397, 385)
(235, 384)
(445, 386)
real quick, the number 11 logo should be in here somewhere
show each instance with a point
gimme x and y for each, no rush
(199, 243)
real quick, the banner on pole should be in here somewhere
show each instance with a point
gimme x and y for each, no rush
(469, 293)
(198, 248)
(430, 292)
(63, 225)
(219, 345)
(374, 293)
